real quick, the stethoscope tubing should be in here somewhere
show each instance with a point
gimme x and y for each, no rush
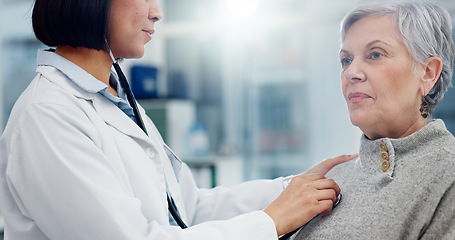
(132, 101)
(130, 96)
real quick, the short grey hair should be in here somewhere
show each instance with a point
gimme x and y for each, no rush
(425, 29)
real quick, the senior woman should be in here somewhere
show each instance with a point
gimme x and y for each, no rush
(397, 60)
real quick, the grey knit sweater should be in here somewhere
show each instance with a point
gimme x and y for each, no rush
(408, 193)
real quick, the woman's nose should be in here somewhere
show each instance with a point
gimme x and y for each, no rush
(155, 13)
(354, 72)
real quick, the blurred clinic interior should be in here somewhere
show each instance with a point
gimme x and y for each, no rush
(240, 89)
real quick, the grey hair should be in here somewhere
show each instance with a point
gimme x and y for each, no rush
(424, 28)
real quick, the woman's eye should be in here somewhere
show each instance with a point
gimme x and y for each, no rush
(345, 62)
(375, 55)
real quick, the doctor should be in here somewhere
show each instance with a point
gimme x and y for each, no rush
(75, 164)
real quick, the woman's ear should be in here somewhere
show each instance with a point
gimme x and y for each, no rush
(433, 68)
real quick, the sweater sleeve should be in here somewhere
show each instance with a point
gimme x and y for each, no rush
(442, 225)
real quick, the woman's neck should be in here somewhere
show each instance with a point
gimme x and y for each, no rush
(395, 130)
(96, 63)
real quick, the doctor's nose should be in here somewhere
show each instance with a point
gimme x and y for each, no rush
(155, 13)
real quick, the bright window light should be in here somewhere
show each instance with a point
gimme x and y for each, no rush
(243, 7)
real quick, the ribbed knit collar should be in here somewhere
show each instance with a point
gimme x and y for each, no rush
(370, 161)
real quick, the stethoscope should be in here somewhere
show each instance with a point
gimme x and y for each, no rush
(132, 101)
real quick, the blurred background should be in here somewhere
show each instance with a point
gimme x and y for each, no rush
(240, 89)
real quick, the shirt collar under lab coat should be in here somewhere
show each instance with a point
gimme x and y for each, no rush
(85, 80)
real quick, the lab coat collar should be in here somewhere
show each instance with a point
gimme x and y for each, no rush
(110, 113)
(79, 76)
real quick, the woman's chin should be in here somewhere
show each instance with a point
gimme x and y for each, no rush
(138, 54)
(132, 54)
(135, 55)
(359, 121)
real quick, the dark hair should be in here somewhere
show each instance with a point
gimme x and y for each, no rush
(76, 23)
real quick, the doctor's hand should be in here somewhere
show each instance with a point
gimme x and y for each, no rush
(306, 196)
(325, 166)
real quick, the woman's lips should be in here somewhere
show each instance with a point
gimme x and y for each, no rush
(357, 97)
(149, 33)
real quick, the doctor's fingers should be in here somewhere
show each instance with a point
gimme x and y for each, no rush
(298, 204)
(305, 178)
(327, 198)
(321, 201)
(324, 189)
(328, 184)
(317, 181)
(325, 206)
(326, 165)
(316, 201)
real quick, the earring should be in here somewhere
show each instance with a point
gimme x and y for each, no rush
(424, 109)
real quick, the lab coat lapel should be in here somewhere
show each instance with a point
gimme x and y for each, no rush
(113, 116)
(169, 172)
(175, 191)
(174, 188)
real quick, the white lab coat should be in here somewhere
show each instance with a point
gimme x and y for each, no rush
(74, 166)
